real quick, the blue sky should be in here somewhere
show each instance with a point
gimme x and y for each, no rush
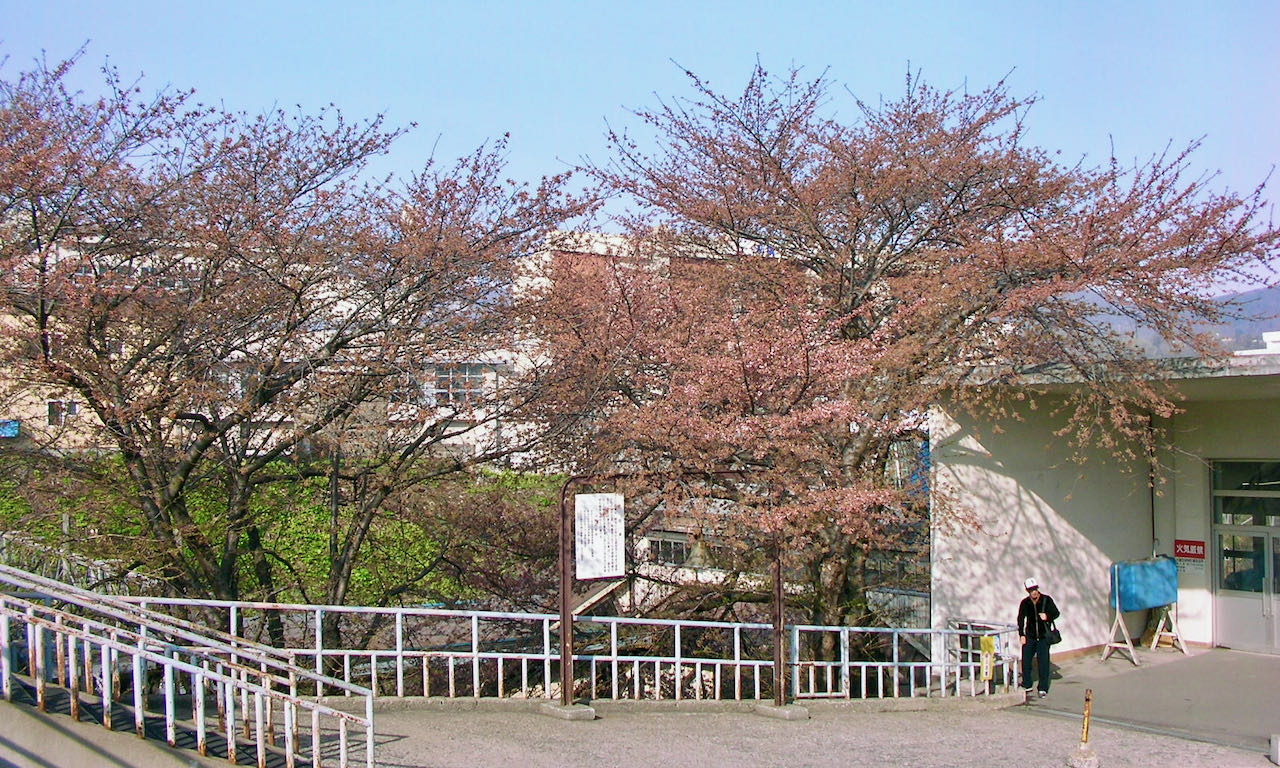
(1133, 75)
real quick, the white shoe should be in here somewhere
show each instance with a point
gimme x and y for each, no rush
(1043, 694)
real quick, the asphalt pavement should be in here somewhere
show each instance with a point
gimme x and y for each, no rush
(1212, 708)
(1217, 696)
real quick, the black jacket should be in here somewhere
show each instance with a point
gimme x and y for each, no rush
(1029, 624)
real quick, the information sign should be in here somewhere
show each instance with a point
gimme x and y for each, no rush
(599, 536)
(1190, 555)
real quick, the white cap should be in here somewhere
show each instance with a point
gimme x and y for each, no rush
(1031, 583)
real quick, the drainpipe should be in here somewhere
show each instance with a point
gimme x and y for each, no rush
(1151, 479)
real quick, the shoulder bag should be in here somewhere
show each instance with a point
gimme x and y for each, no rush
(1054, 635)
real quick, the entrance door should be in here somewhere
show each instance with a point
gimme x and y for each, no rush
(1246, 590)
(1247, 562)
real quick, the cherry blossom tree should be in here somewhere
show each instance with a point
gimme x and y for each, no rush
(232, 305)
(801, 285)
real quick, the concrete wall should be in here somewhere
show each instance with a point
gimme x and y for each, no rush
(1035, 513)
(1010, 504)
(1210, 430)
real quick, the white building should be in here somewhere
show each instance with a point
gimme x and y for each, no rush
(1217, 509)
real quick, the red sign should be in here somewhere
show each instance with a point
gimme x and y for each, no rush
(1188, 548)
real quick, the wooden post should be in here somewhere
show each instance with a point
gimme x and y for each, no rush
(566, 602)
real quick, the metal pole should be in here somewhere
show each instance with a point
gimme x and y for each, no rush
(779, 626)
(566, 605)
(1088, 712)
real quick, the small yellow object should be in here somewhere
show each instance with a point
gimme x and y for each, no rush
(988, 645)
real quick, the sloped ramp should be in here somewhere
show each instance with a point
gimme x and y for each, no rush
(53, 738)
(29, 739)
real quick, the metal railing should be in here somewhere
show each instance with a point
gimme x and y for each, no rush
(438, 652)
(86, 643)
(100, 576)
(879, 662)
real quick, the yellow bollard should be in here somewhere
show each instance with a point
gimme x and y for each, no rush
(1084, 757)
(1088, 711)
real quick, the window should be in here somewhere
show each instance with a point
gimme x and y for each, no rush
(908, 465)
(1246, 516)
(1246, 476)
(409, 389)
(682, 549)
(1246, 493)
(61, 410)
(460, 384)
(1243, 562)
(668, 548)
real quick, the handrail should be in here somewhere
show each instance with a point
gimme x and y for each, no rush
(81, 623)
(127, 610)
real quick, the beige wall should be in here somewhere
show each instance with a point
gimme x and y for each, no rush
(1039, 514)
(30, 406)
(1036, 513)
(1209, 430)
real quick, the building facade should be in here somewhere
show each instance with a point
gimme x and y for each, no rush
(1214, 506)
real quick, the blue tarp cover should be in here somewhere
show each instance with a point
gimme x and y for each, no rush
(1142, 584)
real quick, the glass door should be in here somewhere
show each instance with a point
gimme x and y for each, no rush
(1244, 606)
(1247, 555)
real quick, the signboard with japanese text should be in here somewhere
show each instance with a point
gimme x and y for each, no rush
(1190, 555)
(1188, 548)
(599, 538)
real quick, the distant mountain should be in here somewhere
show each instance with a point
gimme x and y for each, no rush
(1260, 310)
(1256, 311)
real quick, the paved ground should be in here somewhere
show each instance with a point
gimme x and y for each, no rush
(1227, 697)
(831, 738)
(1213, 708)
(29, 739)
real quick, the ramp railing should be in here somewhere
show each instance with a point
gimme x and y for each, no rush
(87, 644)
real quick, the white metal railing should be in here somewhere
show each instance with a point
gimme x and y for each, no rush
(882, 662)
(101, 576)
(453, 653)
(429, 652)
(967, 648)
(94, 639)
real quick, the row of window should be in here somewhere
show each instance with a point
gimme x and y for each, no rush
(899, 568)
(451, 384)
(455, 384)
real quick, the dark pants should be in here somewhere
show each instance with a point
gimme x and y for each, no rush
(1039, 651)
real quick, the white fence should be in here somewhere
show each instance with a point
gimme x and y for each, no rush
(437, 652)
